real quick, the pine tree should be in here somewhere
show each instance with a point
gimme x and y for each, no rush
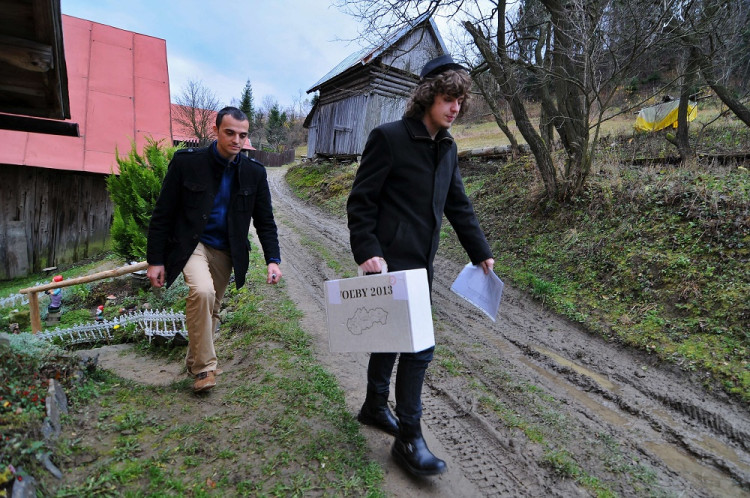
(134, 192)
(276, 128)
(247, 103)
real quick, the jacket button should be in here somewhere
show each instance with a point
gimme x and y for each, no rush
(205, 217)
(195, 236)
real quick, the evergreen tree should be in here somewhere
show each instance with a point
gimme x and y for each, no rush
(134, 192)
(276, 128)
(247, 104)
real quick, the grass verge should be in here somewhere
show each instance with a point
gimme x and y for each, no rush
(275, 425)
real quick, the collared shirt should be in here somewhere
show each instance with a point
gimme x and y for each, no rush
(216, 234)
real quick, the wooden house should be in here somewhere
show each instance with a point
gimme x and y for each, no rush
(369, 88)
(54, 204)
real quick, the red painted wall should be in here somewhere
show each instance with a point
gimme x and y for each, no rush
(119, 93)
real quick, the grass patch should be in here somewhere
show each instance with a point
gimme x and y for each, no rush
(655, 258)
(277, 424)
(330, 259)
(327, 184)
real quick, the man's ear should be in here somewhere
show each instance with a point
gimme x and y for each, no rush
(216, 130)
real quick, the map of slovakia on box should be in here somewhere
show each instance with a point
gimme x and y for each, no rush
(383, 313)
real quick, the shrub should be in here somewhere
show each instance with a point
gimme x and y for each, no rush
(134, 192)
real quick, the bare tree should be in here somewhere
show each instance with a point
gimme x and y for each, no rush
(716, 34)
(490, 92)
(572, 53)
(196, 111)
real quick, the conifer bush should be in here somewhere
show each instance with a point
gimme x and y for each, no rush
(134, 192)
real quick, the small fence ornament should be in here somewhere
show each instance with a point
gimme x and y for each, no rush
(153, 323)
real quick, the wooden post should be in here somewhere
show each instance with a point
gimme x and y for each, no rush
(36, 319)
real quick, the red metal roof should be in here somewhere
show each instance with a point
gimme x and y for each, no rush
(119, 93)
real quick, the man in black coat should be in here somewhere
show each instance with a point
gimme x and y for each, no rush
(407, 179)
(200, 227)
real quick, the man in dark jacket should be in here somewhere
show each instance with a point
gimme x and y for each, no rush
(407, 179)
(200, 227)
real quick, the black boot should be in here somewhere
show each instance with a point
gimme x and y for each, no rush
(375, 412)
(411, 452)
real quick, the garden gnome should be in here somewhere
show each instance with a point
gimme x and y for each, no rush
(56, 296)
(99, 312)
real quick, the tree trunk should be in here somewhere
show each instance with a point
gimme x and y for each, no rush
(499, 118)
(571, 117)
(503, 74)
(739, 110)
(682, 140)
(546, 129)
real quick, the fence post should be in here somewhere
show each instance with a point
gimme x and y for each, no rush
(36, 317)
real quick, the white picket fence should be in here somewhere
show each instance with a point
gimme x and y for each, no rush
(153, 323)
(14, 300)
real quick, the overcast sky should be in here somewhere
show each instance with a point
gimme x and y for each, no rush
(283, 46)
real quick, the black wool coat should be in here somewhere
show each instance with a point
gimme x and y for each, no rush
(405, 182)
(185, 203)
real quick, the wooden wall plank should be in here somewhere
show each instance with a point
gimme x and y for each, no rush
(64, 216)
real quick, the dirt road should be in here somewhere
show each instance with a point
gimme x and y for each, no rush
(516, 405)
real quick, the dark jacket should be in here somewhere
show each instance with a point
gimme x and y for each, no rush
(406, 181)
(185, 203)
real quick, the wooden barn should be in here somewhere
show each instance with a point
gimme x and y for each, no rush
(369, 88)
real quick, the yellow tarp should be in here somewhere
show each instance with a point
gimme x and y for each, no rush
(662, 115)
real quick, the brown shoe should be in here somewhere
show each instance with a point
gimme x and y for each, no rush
(204, 381)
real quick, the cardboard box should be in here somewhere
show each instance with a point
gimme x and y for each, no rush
(385, 313)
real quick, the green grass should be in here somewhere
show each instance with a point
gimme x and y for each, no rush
(657, 261)
(281, 429)
(326, 184)
(329, 259)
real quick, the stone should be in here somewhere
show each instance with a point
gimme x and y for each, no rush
(56, 389)
(24, 487)
(56, 403)
(51, 467)
(21, 317)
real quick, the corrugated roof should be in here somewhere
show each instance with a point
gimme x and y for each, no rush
(367, 55)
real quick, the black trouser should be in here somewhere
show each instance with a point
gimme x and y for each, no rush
(409, 380)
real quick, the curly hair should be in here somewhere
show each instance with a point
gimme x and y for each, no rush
(454, 83)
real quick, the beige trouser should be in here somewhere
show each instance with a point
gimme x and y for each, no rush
(207, 276)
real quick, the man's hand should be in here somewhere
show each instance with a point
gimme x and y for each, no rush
(372, 265)
(487, 265)
(274, 274)
(155, 274)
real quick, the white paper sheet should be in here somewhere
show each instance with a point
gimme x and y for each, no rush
(483, 291)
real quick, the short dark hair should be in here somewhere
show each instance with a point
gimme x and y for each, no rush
(232, 111)
(451, 82)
